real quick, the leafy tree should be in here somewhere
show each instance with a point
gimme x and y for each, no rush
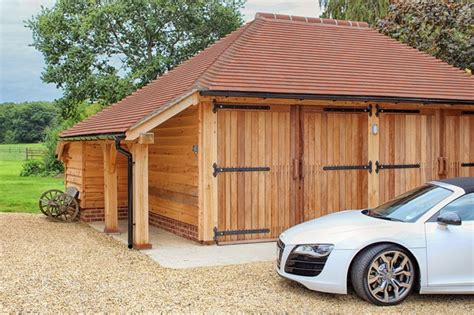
(99, 51)
(31, 122)
(7, 112)
(25, 122)
(369, 11)
(443, 29)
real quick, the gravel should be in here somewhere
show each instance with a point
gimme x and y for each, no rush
(52, 267)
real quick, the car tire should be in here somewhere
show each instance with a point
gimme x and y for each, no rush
(383, 274)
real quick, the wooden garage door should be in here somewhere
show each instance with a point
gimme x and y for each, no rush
(250, 198)
(335, 161)
(459, 143)
(409, 148)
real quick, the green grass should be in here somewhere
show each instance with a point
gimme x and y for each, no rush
(14, 152)
(21, 194)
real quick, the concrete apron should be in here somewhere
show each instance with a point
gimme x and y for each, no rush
(173, 251)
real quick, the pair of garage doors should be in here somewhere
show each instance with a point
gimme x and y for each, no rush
(281, 165)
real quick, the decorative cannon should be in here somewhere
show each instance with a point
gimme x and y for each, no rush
(60, 205)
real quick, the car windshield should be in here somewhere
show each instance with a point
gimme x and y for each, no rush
(411, 205)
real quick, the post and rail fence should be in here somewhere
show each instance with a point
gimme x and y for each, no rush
(21, 153)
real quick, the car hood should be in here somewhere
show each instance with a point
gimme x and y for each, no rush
(352, 229)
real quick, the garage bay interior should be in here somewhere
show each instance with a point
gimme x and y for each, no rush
(234, 147)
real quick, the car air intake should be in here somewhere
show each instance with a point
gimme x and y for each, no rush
(281, 248)
(304, 265)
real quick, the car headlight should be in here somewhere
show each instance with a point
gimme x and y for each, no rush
(315, 250)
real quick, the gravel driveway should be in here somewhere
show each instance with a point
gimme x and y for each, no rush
(58, 267)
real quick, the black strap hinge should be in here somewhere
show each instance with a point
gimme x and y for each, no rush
(379, 166)
(467, 164)
(379, 110)
(343, 109)
(218, 233)
(349, 167)
(218, 106)
(218, 169)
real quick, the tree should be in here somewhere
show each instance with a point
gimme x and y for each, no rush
(99, 51)
(32, 121)
(25, 122)
(369, 11)
(7, 112)
(443, 29)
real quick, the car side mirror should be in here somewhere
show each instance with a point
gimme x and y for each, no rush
(449, 218)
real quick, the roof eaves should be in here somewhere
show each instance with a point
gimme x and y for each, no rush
(92, 137)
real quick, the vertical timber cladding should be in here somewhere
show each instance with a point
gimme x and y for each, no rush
(409, 149)
(258, 197)
(459, 143)
(335, 160)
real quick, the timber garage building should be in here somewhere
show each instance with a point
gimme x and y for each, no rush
(284, 120)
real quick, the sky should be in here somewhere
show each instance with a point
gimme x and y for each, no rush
(21, 65)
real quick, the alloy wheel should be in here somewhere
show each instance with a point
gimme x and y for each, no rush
(390, 276)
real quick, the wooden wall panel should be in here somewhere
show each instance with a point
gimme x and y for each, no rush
(73, 174)
(254, 200)
(333, 139)
(459, 143)
(407, 139)
(93, 179)
(173, 168)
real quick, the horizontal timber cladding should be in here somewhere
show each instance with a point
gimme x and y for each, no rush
(173, 169)
(73, 164)
(459, 143)
(409, 149)
(93, 179)
(254, 139)
(335, 160)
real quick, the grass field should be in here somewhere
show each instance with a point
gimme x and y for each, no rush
(13, 152)
(21, 194)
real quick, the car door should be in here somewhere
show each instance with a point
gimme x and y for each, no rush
(450, 248)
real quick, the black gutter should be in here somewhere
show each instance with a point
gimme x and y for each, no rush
(128, 155)
(337, 97)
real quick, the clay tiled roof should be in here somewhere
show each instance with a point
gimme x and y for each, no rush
(294, 55)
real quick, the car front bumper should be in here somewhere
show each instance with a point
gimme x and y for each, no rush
(333, 277)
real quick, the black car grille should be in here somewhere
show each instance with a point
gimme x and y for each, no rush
(281, 248)
(304, 265)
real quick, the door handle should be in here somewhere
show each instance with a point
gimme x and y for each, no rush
(442, 166)
(301, 172)
(296, 169)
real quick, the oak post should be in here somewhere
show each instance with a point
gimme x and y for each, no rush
(373, 154)
(110, 189)
(140, 195)
(208, 183)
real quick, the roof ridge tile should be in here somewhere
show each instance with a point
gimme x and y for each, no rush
(310, 20)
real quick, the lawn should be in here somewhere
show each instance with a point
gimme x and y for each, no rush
(21, 194)
(17, 151)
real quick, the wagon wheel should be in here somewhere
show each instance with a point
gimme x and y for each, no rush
(48, 203)
(69, 208)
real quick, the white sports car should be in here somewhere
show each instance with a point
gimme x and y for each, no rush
(423, 239)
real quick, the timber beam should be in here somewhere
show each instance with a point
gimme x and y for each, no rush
(110, 188)
(140, 193)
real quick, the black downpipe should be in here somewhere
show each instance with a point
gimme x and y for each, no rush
(129, 187)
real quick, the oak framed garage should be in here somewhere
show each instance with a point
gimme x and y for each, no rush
(280, 122)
